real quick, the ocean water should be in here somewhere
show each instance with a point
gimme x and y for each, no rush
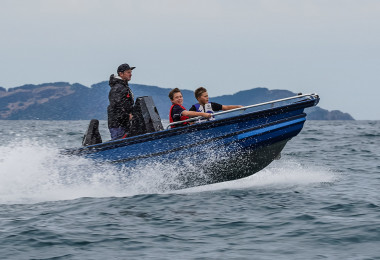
(321, 200)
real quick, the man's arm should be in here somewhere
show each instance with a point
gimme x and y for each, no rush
(127, 101)
(119, 99)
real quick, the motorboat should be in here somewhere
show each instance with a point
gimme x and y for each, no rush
(235, 144)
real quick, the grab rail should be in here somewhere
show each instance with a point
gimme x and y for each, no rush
(313, 95)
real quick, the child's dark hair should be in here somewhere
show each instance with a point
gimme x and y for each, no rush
(172, 92)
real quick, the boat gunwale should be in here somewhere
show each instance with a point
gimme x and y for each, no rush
(222, 137)
(188, 129)
(191, 128)
(313, 96)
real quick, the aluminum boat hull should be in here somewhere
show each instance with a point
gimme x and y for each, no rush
(222, 149)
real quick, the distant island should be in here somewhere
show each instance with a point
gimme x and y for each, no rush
(64, 101)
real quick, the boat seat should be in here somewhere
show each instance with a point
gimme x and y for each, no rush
(92, 135)
(146, 118)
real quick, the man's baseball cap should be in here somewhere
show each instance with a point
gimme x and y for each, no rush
(124, 67)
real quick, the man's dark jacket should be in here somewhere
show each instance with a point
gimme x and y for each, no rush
(121, 103)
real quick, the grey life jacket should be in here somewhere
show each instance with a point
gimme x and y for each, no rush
(207, 108)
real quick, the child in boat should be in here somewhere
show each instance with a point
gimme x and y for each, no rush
(178, 112)
(209, 107)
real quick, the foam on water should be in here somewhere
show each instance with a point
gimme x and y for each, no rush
(32, 172)
(282, 174)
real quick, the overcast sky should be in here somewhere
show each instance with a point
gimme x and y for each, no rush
(331, 47)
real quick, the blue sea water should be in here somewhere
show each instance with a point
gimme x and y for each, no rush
(321, 200)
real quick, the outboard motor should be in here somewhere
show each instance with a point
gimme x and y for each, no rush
(92, 135)
(145, 117)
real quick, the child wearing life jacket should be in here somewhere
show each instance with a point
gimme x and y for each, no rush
(208, 107)
(178, 112)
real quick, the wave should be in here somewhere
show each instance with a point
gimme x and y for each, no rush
(31, 172)
(282, 174)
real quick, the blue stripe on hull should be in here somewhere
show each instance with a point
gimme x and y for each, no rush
(194, 136)
(224, 141)
(269, 128)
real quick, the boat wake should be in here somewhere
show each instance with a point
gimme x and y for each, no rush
(282, 174)
(31, 172)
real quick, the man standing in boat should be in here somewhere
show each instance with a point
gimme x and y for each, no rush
(178, 112)
(121, 104)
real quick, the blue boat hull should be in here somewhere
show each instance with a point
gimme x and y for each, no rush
(224, 149)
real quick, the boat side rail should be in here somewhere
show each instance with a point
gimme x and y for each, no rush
(273, 102)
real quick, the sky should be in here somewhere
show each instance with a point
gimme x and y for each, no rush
(329, 47)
